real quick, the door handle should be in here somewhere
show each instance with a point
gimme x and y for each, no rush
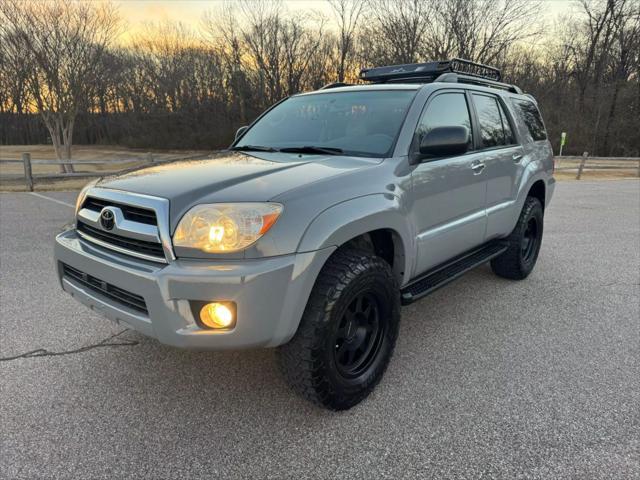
(517, 157)
(477, 168)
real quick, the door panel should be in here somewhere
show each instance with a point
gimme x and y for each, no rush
(448, 193)
(502, 172)
(448, 209)
(503, 159)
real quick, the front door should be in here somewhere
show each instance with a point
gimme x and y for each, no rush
(448, 207)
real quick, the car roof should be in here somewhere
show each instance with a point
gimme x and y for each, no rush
(416, 86)
(366, 87)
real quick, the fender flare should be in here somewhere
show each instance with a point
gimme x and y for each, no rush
(347, 220)
(531, 175)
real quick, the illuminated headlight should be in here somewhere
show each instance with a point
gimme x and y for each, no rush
(83, 194)
(225, 227)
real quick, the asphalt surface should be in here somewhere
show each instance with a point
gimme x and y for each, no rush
(490, 379)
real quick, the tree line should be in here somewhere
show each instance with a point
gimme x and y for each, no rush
(67, 76)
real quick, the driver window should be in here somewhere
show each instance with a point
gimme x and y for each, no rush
(446, 110)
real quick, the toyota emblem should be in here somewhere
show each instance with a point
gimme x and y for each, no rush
(107, 218)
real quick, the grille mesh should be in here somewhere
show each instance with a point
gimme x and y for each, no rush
(133, 244)
(135, 214)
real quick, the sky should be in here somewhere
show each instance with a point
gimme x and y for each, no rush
(135, 12)
(190, 11)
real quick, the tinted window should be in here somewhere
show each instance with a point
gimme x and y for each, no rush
(446, 110)
(362, 123)
(509, 137)
(532, 119)
(494, 124)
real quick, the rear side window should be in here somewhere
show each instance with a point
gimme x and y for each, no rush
(495, 129)
(531, 117)
(445, 110)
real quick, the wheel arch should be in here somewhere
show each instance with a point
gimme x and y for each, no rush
(538, 190)
(373, 222)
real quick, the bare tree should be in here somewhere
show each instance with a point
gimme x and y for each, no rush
(347, 14)
(222, 34)
(480, 30)
(62, 43)
(394, 31)
(14, 95)
(624, 61)
(261, 30)
(266, 47)
(300, 48)
(174, 87)
(593, 37)
(601, 40)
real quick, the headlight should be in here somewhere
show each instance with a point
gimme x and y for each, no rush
(225, 227)
(83, 194)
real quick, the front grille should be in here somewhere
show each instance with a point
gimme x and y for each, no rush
(128, 299)
(135, 214)
(134, 245)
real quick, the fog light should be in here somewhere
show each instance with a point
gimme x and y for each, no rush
(217, 315)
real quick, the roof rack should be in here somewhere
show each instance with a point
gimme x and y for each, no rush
(454, 70)
(459, 78)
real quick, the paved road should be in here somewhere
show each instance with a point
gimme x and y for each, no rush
(491, 378)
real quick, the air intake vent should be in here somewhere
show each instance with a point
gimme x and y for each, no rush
(118, 295)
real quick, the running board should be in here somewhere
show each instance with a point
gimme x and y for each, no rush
(449, 271)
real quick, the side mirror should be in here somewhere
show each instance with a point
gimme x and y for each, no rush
(241, 131)
(445, 141)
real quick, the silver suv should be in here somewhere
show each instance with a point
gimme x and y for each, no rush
(329, 212)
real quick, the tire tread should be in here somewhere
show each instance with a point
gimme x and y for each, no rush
(509, 265)
(300, 359)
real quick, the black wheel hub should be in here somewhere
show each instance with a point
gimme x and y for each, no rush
(359, 335)
(530, 239)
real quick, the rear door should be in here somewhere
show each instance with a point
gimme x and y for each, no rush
(448, 193)
(502, 157)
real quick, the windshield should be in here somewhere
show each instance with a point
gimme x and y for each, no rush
(360, 123)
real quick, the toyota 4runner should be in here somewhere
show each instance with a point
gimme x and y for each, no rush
(326, 214)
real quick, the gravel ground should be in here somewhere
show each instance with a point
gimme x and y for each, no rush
(491, 378)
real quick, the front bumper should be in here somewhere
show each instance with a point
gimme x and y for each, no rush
(270, 293)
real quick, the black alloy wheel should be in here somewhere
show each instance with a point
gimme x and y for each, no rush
(530, 240)
(359, 335)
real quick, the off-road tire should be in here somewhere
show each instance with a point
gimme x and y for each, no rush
(310, 361)
(516, 263)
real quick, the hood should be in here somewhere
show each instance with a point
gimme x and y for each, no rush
(232, 177)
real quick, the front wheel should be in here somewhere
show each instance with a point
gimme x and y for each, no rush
(518, 260)
(347, 334)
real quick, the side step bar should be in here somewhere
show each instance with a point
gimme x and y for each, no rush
(449, 271)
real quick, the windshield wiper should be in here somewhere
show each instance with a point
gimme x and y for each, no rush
(312, 149)
(253, 148)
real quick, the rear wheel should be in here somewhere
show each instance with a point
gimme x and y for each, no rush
(347, 334)
(518, 260)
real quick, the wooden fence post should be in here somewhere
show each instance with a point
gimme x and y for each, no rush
(28, 176)
(582, 162)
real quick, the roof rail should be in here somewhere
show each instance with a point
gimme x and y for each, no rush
(335, 85)
(453, 70)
